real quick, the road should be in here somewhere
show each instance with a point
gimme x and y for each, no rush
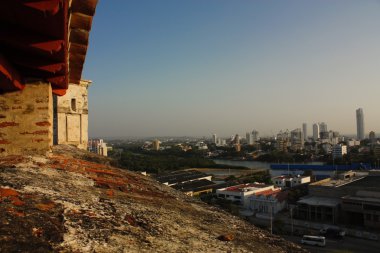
(346, 245)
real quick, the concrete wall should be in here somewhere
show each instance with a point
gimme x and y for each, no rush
(72, 116)
(26, 119)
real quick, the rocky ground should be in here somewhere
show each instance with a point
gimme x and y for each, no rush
(73, 201)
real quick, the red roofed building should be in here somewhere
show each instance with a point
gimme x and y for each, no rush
(268, 202)
(241, 193)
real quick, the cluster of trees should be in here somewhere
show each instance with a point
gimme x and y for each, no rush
(138, 159)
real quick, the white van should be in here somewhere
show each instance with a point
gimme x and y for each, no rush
(314, 240)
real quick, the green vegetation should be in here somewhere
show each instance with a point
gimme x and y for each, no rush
(133, 157)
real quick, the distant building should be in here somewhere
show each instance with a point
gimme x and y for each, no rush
(195, 188)
(156, 145)
(322, 127)
(304, 131)
(339, 150)
(214, 139)
(352, 143)
(290, 181)
(268, 202)
(98, 146)
(316, 131)
(376, 151)
(372, 137)
(255, 135)
(297, 139)
(236, 139)
(240, 193)
(282, 141)
(249, 138)
(360, 124)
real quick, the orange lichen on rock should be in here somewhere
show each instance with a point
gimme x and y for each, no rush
(45, 206)
(110, 193)
(6, 192)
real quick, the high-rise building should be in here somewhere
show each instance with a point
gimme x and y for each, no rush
(322, 127)
(372, 137)
(214, 139)
(249, 138)
(360, 124)
(304, 130)
(255, 135)
(315, 131)
(297, 139)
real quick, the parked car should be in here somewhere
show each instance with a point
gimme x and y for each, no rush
(314, 240)
(330, 232)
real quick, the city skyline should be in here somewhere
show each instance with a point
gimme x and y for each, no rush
(193, 68)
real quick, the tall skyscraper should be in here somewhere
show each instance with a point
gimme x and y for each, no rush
(315, 131)
(360, 124)
(322, 127)
(304, 130)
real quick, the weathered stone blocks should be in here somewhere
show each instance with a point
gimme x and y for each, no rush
(26, 119)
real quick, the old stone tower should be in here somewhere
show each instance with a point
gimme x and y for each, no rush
(43, 101)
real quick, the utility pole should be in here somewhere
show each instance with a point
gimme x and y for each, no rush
(271, 219)
(291, 218)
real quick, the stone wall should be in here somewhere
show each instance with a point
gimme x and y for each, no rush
(72, 116)
(26, 119)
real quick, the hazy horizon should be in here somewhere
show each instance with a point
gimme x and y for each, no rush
(193, 68)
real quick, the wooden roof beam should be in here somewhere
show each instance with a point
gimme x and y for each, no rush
(9, 77)
(86, 7)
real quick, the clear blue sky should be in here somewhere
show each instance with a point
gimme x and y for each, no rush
(199, 67)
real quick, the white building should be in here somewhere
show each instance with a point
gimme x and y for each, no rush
(268, 203)
(290, 181)
(360, 124)
(352, 143)
(315, 131)
(98, 146)
(240, 193)
(339, 150)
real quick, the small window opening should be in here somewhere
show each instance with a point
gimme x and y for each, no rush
(74, 104)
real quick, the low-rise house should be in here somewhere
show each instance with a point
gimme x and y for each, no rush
(241, 193)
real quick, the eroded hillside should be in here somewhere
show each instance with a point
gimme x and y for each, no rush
(73, 201)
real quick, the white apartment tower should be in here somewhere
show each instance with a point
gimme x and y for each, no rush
(360, 124)
(315, 131)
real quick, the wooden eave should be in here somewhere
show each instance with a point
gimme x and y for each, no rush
(44, 40)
